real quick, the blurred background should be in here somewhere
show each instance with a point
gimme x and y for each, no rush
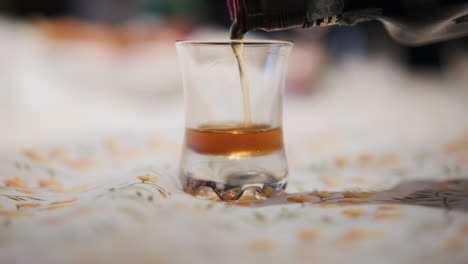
(71, 66)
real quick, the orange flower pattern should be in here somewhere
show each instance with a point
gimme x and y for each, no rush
(148, 178)
(389, 216)
(16, 182)
(390, 160)
(341, 162)
(298, 199)
(56, 207)
(28, 191)
(365, 159)
(308, 234)
(51, 183)
(389, 207)
(163, 193)
(35, 156)
(246, 203)
(65, 201)
(21, 205)
(353, 212)
(262, 245)
(58, 153)
(328, 205)
(15, 214)
(464, 230)
(83, 163)
(353, 237)
(452, 244)
(330, 180)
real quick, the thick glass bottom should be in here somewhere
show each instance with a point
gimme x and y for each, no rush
(228, 178)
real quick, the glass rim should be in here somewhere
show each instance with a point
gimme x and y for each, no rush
(247, 42)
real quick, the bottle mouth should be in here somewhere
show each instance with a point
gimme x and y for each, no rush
(250, 43)
(265, 15)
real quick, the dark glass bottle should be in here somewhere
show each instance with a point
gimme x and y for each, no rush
(411, 22)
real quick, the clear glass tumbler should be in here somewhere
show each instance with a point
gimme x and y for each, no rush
(233, 142)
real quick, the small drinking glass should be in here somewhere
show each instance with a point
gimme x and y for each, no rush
(233, 143)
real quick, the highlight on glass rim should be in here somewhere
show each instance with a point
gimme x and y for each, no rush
(233, 131)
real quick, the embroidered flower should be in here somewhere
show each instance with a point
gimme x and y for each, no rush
(148, 178)
(330, 180)
(358, 180)
(71, 190)
(298, 199)
(32, 205)
(82, 163)
(34, 156)
(355, 236)
(28, 191)
(390, 160)
(341, 162)
(353, 212)
(163, 193)
(16, 214)
(51, 183)
(58, 153)
(65, 201)
(389, 207)
(262, 245)
(464, 230)
(308, 234)
(16, 182)
(452, 244)
(246, 203)
(389, 216)
(56, 207)
(365, 159)
(328, 205)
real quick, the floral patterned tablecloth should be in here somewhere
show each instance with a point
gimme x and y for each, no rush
(376, 176)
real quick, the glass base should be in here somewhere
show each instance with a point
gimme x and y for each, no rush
(219, 191)
(228, 178)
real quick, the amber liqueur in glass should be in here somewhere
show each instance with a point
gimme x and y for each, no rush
(234, 140)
